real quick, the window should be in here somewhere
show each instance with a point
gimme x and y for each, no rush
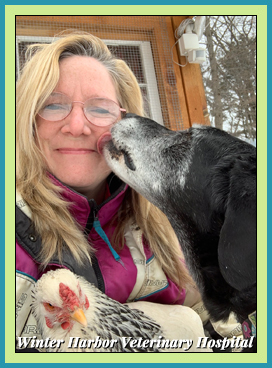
(138, 56)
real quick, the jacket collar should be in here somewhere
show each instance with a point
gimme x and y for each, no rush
(82, 207)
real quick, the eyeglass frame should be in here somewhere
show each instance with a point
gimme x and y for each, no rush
(122, 110)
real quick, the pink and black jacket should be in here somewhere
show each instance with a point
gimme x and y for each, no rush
(131, 274)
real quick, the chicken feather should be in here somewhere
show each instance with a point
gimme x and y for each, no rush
(67, 306)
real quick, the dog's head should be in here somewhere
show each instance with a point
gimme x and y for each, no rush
(147, 156)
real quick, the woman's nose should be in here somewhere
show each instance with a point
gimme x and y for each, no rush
(76, 123)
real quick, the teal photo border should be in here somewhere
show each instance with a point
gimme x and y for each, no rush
(7, 156)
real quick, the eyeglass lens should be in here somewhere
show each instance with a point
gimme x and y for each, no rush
(99, 111)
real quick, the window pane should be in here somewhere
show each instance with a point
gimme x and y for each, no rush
(132, 56)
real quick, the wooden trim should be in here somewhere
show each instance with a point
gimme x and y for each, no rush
(193, 85)
(179, 81)
(50, 25)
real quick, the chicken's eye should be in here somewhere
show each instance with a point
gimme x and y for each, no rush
(49, 307)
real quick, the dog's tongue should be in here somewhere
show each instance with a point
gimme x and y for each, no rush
(103, 139)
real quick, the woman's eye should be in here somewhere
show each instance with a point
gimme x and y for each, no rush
(56, 107)
(98, 110)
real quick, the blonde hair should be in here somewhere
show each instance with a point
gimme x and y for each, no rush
(50, 213)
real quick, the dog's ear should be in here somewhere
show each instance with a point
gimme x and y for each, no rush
(237, 249)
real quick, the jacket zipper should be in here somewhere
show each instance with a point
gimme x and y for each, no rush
(103, 235)
(98, 274)
(94, 210)
(95, 265)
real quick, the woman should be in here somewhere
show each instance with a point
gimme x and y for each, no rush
(71, 210)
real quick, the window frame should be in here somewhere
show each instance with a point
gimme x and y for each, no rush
(147, 63)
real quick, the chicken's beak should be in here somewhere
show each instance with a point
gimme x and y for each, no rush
(79, 316)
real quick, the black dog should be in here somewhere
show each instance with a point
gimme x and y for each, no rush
(204, 180)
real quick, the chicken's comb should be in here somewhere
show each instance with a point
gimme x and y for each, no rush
(68, 296)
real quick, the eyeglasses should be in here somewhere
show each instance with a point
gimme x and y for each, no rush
(98, 111)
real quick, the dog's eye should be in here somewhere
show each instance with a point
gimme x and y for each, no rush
(128, 160)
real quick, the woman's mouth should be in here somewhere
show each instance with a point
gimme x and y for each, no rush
(75, 151)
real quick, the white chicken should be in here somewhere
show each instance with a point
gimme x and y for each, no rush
(69, 308)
